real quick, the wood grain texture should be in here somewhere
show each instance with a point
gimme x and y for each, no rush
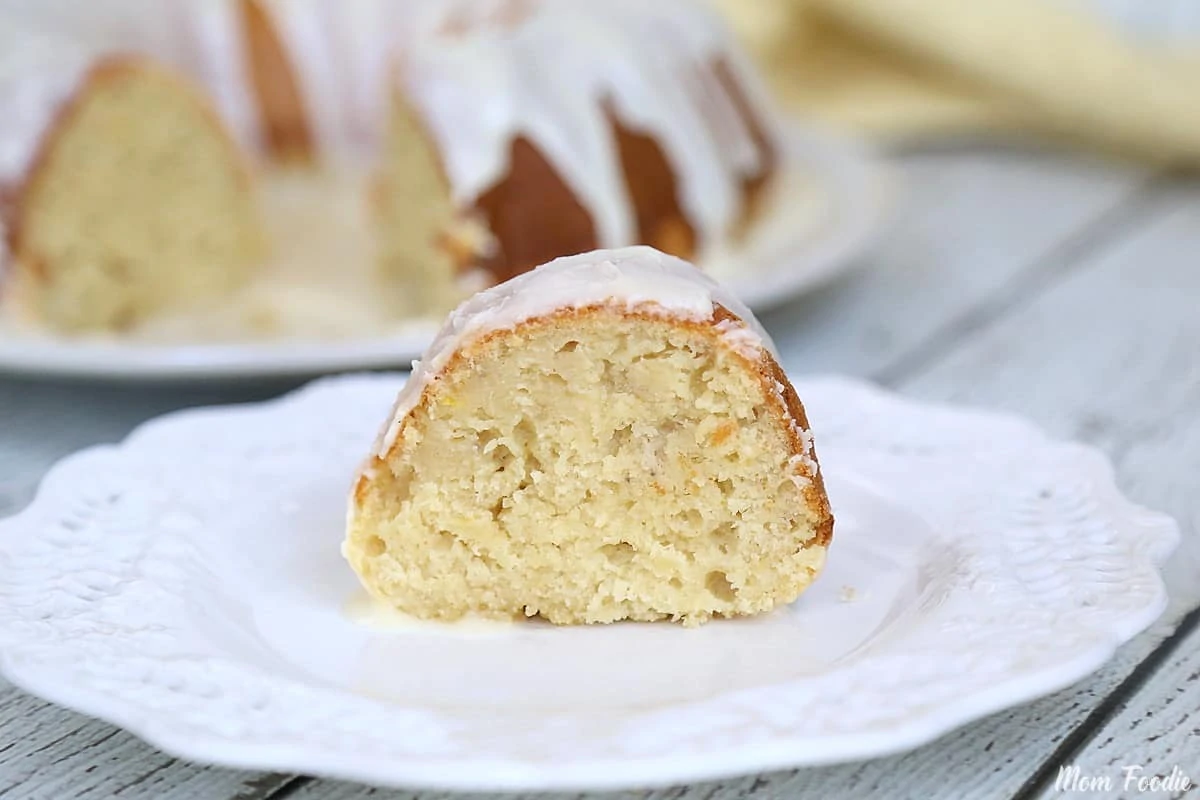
(1108, 355)
(48, 753)
(972, 227)
(1158, 733)
(967, 225)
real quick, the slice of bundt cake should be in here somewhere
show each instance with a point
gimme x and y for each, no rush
(125, 198)
(606, 437)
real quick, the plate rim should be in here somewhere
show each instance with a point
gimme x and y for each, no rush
(781, 752)
(859, 182)
(595, 775)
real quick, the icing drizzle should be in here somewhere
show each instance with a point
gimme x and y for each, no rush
(480, 72)
(548, 77)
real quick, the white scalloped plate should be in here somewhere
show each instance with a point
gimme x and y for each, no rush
(819, 230)
(187, 585)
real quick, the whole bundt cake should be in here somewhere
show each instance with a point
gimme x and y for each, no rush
(606, 437)
(497, 134)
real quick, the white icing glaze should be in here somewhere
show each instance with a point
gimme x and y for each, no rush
(546, 79)
(480, 73)
(705, 127)
(629, 277)
(214, 54)
(308, 31)
(445, 89)
(804, 460)
(366, 70)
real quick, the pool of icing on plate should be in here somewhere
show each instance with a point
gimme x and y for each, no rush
(370, 613)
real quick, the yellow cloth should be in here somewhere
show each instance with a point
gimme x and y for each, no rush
(906, 69)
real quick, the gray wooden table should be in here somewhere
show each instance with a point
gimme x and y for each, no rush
(1061, 288)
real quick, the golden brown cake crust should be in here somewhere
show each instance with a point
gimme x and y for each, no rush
(770, 375)
(785, 408)
(653, 191)
(533, 214)
(535, 217)
(283, 115)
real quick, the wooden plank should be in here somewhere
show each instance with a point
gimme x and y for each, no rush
(1155, 735)
(966, 225)
(948, 253)
(1105, 354)
(48, 752)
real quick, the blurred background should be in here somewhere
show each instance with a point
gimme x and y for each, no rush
(1017, 128)
(1117, 76)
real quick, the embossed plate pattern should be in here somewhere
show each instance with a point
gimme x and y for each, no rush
(186, 585)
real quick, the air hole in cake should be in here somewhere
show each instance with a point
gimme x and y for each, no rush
(784, 488)
(445, 541)
(485, 437)
(402, 483)
(376, 546)
(652, 356)
(524, 432)
(620, 553)
(668, 426)
(569, 347)
(612, 378)
(533, 465)
(719, 586)
(501, 455)
(724, 537)
(620, 438)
